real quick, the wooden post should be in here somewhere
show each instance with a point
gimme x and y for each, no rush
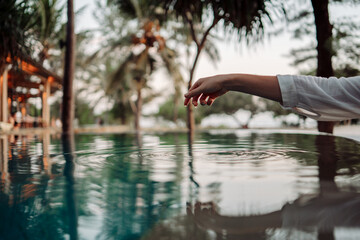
(4, 166)
(45, 107)
(46, 154)
(4, 96)
(1, 97)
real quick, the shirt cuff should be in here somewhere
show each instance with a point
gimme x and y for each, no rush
(288, 91)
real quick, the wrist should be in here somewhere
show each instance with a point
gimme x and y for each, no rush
(230, 82)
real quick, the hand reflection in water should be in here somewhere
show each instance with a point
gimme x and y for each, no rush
(324, 211)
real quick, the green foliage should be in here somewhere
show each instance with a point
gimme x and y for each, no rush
(345, 41)
(166, 111)
(33, 111)
(24, 24)
(83, 112)
(48, 20)
(133, 49)
(275, 108)
(231, 102)
(17, 19)
(246, 18)
(141, 9)
(120, 113)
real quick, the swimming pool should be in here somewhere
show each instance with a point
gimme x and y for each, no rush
(224, 185)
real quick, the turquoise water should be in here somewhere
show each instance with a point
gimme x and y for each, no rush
(225, 185)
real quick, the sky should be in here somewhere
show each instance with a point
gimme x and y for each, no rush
(267, 58)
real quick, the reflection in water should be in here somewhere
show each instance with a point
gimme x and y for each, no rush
(137, 186)
(24, 199)
(193, 185)
(69, 170)
(329, 208)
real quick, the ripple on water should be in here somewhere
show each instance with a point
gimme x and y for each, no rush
(123, 186)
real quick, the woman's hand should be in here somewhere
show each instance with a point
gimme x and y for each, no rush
(206, 90)
(209, 88)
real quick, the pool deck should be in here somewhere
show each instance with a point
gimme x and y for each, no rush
(350, 131)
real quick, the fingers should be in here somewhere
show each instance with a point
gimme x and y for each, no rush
(194, 93)
(186, 101)
(204, 91)
(204, 100)
(207, 99)
(210, 101)
(195, 90)
(195, 100)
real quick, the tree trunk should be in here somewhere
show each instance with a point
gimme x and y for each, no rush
(123, 113)
(138, 107)
(240, 125)
(324, 48)
(248, 121)
(190, 115)
(68, 99)
(200, 45)
(176, 108)
(190, 120)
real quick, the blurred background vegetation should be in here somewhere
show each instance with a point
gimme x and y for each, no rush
(138, 40)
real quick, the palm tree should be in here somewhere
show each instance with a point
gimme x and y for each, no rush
(68, 99)
(244, 17)
(50, 29)
(169, 57)
(142, 46)
(133, 73)
(25, 23)
(327, 35)
(183, 36)
(17, 18)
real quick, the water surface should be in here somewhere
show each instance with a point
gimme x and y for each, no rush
(224, 185)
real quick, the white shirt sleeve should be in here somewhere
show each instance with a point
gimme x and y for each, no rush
(324, 99)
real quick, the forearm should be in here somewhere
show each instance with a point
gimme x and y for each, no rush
(324, 99)
(262, 86)
(209, 88)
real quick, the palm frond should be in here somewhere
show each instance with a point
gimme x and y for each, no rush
(246, 18)
(169, 57)
(16, 18)
(212, 52)
(121, 77)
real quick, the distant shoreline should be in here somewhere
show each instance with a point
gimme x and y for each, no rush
(350, 131)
